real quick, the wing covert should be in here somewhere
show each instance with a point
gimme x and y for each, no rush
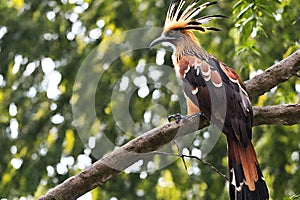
(219, 93)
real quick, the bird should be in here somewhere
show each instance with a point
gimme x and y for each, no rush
(216, 91)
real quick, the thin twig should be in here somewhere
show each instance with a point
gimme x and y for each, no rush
(181, 155)
(207, 164)
(194, 157)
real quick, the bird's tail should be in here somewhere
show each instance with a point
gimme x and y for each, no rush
(246, 179)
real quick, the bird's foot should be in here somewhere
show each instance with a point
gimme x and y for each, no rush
(178, 117)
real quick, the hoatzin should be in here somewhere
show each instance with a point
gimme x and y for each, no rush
(206, 80)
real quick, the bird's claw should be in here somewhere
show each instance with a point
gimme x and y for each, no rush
(177, 117)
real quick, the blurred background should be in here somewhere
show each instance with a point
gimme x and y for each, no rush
(44, 43)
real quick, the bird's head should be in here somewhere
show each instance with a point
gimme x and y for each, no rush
(182, 19)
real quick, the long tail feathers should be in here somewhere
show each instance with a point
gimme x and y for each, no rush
(246, 179)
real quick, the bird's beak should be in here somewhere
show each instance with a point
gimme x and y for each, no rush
(157, 41)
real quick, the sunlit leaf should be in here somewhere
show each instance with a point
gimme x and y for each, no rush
(69, 142)
(244, 10)
(18, 4)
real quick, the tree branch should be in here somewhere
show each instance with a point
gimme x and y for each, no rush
(278, 73)
(144, 145)
(281, 114)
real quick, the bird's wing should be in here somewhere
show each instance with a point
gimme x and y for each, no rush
(219, 93)
(222, 98)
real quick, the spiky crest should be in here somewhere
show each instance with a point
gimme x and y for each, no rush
(180, 18)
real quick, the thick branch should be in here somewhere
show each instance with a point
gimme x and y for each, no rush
(142, 146)
(102, 170)
(281, 114)
(278, 73)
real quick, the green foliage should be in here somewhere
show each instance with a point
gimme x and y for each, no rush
(39, 144)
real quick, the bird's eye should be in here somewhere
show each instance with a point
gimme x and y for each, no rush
(171, 33)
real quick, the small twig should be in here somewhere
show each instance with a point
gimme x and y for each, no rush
(207, 164)
(194, 157)
(182, 157)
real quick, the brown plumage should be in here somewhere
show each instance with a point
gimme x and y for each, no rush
(215, 90)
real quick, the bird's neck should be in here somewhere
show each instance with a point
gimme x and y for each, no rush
(188, 45)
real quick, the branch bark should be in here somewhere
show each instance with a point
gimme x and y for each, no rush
(144, 145)
(278, 73)
(281, 114)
